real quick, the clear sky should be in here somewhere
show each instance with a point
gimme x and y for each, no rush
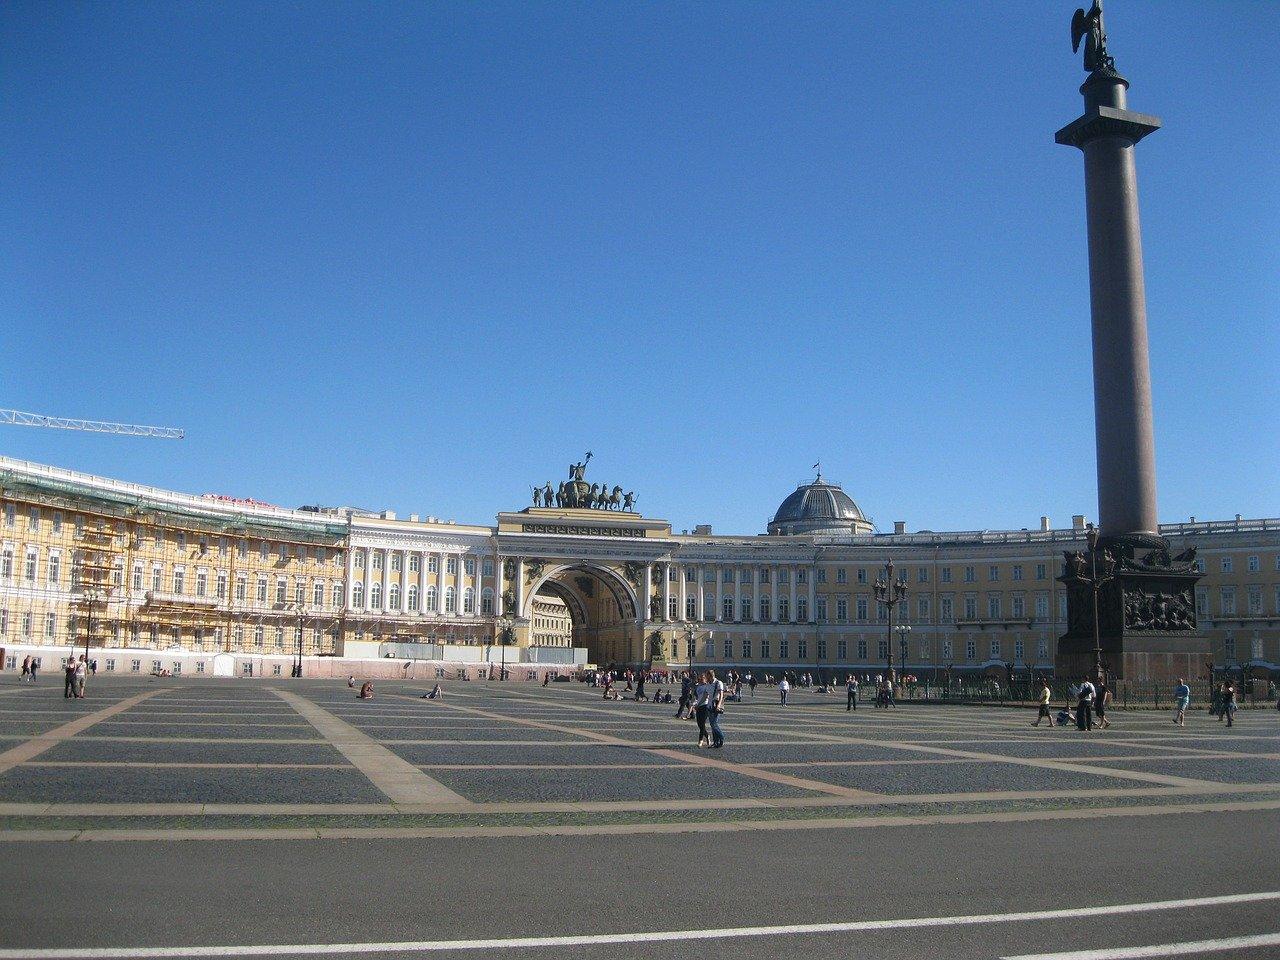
(419, 256)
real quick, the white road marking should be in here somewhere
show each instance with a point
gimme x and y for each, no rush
(1160, 949)
(656, 936)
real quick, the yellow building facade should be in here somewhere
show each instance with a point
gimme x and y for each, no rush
(208, 585)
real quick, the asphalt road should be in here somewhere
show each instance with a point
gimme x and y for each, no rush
(377, 891)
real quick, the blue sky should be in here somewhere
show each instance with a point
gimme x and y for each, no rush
(420, 256)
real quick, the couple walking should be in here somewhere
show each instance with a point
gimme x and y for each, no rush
(708, 705)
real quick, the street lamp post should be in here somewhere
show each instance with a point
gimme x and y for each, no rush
(903, 630)
(691, 633)
(1096, 583)
(889, 592)
(92, 598)
(297, 667)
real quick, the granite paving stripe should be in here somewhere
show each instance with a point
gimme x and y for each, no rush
(704, 760)
(961, 778)
(542, 754)
(201, 752)
(33, 748)
(88, 784)
(1235, 770)
(187, 765)
(685, 783)
(397, 779)
(125, 738)
(201, 731)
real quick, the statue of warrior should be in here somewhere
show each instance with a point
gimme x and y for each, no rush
(628, 501)
(537, 496)
(547, 494)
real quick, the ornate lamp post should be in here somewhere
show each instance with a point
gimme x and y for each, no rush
(297, 667)
(889, 592)
(91, 599)
(690, 635)
(1095, 583)
(902, 631)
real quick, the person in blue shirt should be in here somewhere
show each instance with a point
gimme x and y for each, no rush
(1182, 700)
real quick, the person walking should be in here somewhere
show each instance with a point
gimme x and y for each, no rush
(69, 679)
(751, 685)
(851, 693)
(82, 670)
(784, 686)
(1043, 701)
(1101, 699)
(26, 668)
(715, 708)
(1084, 705)
(1181, 700)
(35, 665)
(1230, 704)
(640, 687)
(685, 708)
(701, 704)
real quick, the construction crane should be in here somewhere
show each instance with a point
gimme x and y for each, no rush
(22, 419)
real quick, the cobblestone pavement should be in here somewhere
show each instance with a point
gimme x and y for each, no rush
(513, 820)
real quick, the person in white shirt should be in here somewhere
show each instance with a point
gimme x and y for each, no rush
(1084, 705)
(715, 707)
(784, 685)
(702, 707)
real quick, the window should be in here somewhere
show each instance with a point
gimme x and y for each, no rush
(1018, 610)
(55, 568)
(393, 597)
(1041, 571)
(1226, 565)
(969, 575)
(822, 649)
(50, 625)
(691, 608)
(433, 563)
(970, 650)
(745, 609)
(728, 648)
(469, 600)
(842, 650)
(469, 566)
(922, 575)
(764, 607)
(486, 569)
(202, 583)
(222, 585)
(842, 609)
(861, 609)
(1062, 606)
(1229, 647)
(258, 637)
(33, 519)
(486, 601)
(1255, 647)
(1202, 603)
(784, 575)
(746, 648)
(412, 604)
(1017, 651)
(1017, 571)
(337, 593)
(357, 595)
(802, 609)
(993, 573)
(1228, 601)
(882, 649)
(802, 575)
(862, 649)
(822, 575)
(1253, 565)
(135, 666)
(451, 564)
(726, 576)
(764, 648)
(396, 562)
(726, 608)
(6, 563)
(841, 575)
(275, 669)
(802, 649)
(30, 571)
(945, 574)
(783, 652)
(784, 608)
(922, 609)
(415, 563)
(450, 600)
(971, 608)
(279, 638)
(282, 589)
(357, 559)
(820, 608)
(317, 594)
(375, 596)
(432, 599)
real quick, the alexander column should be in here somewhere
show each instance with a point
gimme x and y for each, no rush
(1144, 626)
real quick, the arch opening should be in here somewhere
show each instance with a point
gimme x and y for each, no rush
(581, 605)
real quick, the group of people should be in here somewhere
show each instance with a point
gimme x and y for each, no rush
(29, 667)
(704, 701)
(75, 671)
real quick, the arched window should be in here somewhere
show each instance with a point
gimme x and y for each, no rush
(486, 600)
(469, 601)
(431, 599)
(393, 597)
(450, 600)
(413, 597)
(375, 596)
(357, 595)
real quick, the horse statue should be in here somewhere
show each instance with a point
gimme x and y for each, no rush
(547, 494)
(615, 499)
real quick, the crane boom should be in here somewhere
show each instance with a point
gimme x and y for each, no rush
(22, 419)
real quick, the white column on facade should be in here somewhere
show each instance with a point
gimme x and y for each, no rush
(682, 572)
(422, 583)
(813, 593)
(776, 587)
(351, 578)
(648, 592)
(666, 591)
(755, 593)
(368, 579)
(518, 588)
(701, 573)
(497, 585)
(440, 582)
(792, 576)
(718, 613)
(737, 592)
